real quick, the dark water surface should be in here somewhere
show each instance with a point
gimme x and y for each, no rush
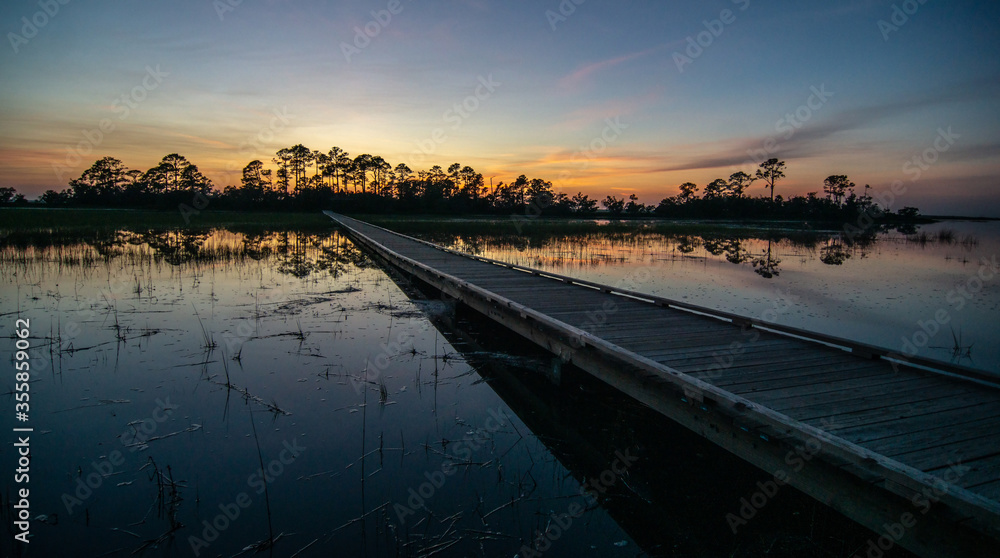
(169, 369)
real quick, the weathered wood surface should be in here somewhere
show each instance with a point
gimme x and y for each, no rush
(897, 427)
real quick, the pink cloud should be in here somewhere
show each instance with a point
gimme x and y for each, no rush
(574, 79)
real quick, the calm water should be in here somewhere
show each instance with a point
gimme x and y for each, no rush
(169, 369)
(934, 292)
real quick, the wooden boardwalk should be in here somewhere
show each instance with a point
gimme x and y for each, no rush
(914, 445)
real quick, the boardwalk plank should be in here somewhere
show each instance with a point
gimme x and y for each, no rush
(831, 374)
(783, 401)
(952, 418)
(671, 336)
(798, 358)
(935, 437)
(898, 409)
(930, 388)
(722, 340)
(705, 358)
(971, 472)
(929, 459)
(777, 353)
(822, 386)
(730, 357)
(989, 490)
(817, 371)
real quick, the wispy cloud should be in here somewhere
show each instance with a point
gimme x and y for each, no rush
(811, 139)
(573, 80)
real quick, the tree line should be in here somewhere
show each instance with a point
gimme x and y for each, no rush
(306, 179)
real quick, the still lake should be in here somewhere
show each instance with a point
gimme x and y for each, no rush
(197, 393)
(932, 292)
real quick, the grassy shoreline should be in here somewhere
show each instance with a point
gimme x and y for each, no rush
(27, 219)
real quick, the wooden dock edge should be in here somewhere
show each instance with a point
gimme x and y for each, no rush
(841, 475)
(863, 350)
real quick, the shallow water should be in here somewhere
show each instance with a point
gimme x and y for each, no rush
(169, 370)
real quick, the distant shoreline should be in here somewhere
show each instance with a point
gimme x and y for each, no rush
(600, 215)
(35, 217)
(960, 218)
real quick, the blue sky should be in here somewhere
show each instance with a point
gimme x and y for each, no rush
(594, 102)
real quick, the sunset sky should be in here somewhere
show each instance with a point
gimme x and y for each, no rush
(599, 96)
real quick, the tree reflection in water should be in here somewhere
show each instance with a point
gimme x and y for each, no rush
(687, 244)
(766, 264)
(834, 253)
(731, 247)
(255, 246)
(177, 246)
(299, 253)
(340, 254)
(293, 259)
(295, 253)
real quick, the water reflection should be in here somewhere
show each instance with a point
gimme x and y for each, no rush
(688, 244)
(873, 285)
(760, 251)
(766, 264)
(834, 253)
(298, 254)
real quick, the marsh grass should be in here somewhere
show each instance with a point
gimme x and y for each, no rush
(946, 236)
(42, 219)
(958, 350)
(383, 391)
(208, 340)
(267, 498)
(546, 226)
(143, 255)
(167, 502)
